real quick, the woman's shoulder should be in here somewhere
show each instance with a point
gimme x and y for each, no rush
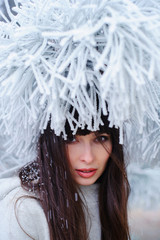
(21, 211)
(12, 193)
(9, 186)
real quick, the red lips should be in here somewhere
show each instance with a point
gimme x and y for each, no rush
(86, 172)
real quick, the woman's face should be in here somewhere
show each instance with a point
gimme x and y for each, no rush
(88, 156)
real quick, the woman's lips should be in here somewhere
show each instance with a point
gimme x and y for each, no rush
(86, 172)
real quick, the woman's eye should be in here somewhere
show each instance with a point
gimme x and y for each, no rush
(102, 138)
(71, 140)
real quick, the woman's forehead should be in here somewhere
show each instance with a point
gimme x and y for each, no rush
(102, 129)
(91, 133)
(85, 131)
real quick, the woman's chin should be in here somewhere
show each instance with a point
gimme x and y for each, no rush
(85, 182)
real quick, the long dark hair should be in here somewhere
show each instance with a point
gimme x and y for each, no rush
(59, 196)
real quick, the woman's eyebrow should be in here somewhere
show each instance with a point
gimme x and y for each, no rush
(101, 133)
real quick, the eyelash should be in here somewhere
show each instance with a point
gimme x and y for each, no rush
(102, 138)
(71, 140)
(98, 139)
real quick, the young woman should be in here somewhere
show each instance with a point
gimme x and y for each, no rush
(63, 53)
(76, 189)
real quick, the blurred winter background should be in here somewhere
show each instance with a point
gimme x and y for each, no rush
(144, 202)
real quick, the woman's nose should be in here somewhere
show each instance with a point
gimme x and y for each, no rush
(87, 154)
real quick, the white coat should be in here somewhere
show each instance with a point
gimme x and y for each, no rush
(22, 217)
